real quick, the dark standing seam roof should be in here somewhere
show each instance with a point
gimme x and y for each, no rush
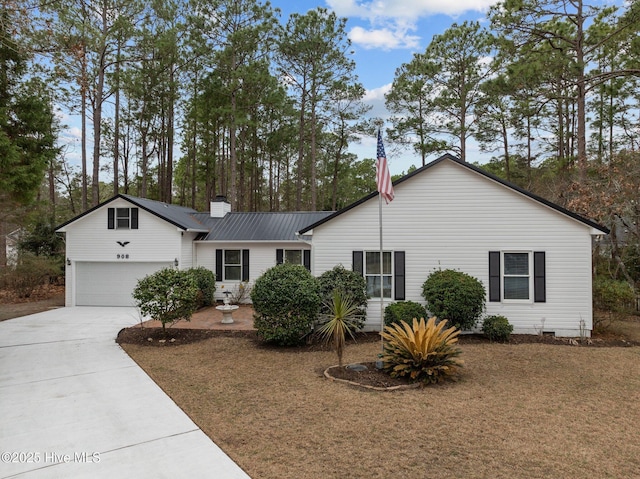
(449, 157)
(263, 226)
(180, 216)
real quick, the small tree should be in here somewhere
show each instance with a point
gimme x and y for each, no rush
(341, 320)
(455, 296)
(350, 284)
(168, 296)
(286, 301)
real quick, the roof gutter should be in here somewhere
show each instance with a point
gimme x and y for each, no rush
(301, 238)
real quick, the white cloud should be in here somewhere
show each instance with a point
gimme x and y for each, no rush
(392, 22)
(407, 9)
(383, 38)
(375, 98)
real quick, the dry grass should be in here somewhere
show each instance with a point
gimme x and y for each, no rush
(519, 411)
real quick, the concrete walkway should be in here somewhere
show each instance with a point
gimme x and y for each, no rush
(74, 405)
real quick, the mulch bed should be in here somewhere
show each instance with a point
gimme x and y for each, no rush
(177, 336)
(173, 336)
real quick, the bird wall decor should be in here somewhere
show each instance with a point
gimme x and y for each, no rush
(123, 243)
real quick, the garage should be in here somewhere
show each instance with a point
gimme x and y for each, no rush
(110, 284)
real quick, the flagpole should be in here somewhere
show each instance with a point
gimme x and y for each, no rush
(379, 364)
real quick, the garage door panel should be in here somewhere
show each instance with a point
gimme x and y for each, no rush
(110, 284)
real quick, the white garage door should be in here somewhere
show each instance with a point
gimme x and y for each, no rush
(110, 284)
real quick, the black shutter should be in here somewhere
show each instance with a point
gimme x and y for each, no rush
(357, 262)
(111, 218)
(306, 258)
(279, 256)
(398, 275)
(245, 265)
(219, 265)
(494, 276)
(539, 277)
(134, 218)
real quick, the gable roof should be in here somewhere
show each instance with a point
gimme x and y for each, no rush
(448, 157)
(180, 216)
(263, 226)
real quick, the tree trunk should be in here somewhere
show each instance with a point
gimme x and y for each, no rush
(83, 136)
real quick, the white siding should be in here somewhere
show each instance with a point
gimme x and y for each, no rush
(89, 240)
(262, 256)
(187, 250)
(451, 217)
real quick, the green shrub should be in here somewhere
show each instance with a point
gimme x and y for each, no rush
(455, 296)
(497, 328)
(612, 300)
(30, 272)
(168, 296)
(403, 311)
(286, 301)
(350, 284)
(424, 352)
(206, 283)
(612, 295)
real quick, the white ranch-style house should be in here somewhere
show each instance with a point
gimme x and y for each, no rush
(533, 256)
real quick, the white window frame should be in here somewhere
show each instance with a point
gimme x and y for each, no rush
(118, 217)
(374, 275)
(529, 276)
(226, 265)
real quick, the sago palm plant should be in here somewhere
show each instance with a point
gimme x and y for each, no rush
(424, 352)
(341, 320)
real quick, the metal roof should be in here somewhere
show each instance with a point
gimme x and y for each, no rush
(262, 226)
(180, 216)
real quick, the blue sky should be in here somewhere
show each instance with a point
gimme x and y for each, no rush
(384, 35)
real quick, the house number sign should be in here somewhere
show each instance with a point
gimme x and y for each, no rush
(122, 256)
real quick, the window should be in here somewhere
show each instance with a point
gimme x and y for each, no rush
(372, 273)
(232, 265)
(517, 276)
(293, 256)
(122, 218)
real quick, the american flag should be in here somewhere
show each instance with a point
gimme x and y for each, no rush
(383, 178)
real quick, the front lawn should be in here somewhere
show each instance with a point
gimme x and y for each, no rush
(518, 410)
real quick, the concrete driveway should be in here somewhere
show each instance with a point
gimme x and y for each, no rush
(74, 405)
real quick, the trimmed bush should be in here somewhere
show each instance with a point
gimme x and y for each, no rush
(403, 311)
(497, 328)
(424, 352)
(455, 296)
(286, 301)
(168, 296)
(206, 283)
(349, 284)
